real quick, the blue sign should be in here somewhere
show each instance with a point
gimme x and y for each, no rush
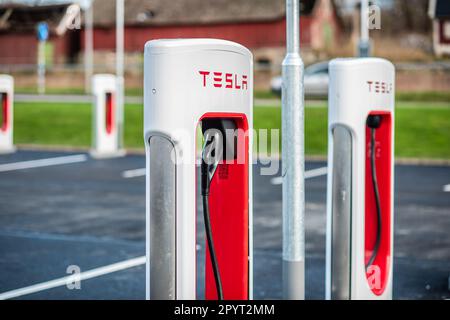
(42, 31)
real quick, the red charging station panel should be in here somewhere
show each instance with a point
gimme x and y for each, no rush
(109, 117)
(229, 211)
(5, 112)
(383, 162)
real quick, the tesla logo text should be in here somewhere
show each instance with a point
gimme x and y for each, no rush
(224, 80)
(379, 87)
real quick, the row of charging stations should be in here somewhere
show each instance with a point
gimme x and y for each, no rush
(105, 142)
(6, 114)
(105, 129)
(192, 82)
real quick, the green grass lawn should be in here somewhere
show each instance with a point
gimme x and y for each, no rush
(422, 129)
(425, 96)
(132, 92)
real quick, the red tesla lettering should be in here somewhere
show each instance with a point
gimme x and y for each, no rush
(244, 82)
(204, 74)
(218, 79)
(229, 80)
(236, 82)
(377, 87)
(380, 87)
(225, 80)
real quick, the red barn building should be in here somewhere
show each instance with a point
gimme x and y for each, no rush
(18, 40)
(257, 24)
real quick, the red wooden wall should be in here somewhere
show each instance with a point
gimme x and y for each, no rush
(21, 48)
(251, 35)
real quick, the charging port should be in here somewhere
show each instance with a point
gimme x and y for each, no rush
(224, 190)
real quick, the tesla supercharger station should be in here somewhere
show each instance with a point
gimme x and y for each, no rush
(191, 84)
(105, 125)
(6, 114)
(360, 179)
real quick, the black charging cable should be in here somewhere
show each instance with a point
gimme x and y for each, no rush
(374, 122)
(210, 161)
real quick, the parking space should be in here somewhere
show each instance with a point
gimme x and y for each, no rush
(91, 214)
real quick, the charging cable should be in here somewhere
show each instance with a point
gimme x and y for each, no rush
(374, 122)
(211, 156)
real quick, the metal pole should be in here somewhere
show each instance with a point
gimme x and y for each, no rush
(364, 42)
(88, 47)
(120, 8)
(293, 160)
(41, 67)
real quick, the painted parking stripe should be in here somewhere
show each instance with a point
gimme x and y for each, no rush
(308, 175)
(97, 272)
(133, 173)
(446, 188)
(42, 163)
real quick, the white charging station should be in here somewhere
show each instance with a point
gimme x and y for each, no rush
(187, 83)
(105, 133)
(360, 194)
(6, 114)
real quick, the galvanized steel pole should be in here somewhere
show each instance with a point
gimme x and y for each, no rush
(120, 60)
(293, 160)
(41, 66)
(364, 41)
(88, 47)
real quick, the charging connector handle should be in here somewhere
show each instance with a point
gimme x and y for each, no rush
(208, 169)
(374, 122)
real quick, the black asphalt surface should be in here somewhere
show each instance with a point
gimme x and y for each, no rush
(87, 214)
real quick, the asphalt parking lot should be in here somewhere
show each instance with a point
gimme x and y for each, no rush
(77, 211)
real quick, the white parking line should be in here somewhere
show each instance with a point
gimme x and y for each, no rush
(308, 175)
(133, 173)
(446, 188)
(42, 163)
(97, 272)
